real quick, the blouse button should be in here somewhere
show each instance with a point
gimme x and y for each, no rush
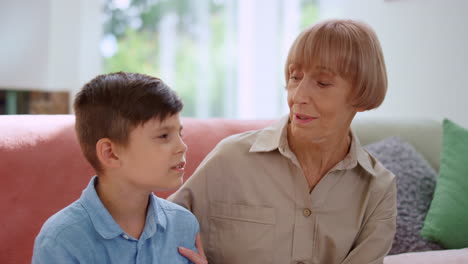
(306, 212)
(125, 236)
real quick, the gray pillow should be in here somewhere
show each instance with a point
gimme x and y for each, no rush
(416, 181)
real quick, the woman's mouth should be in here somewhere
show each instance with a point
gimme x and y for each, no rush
(303, 119)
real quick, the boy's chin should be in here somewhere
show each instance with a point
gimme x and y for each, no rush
(177, 184)
(172, 186)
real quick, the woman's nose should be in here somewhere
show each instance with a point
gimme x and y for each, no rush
(302, 93)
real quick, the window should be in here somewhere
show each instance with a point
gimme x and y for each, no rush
(224, 58)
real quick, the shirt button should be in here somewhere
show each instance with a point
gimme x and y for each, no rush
(306, 212)
(125, 236)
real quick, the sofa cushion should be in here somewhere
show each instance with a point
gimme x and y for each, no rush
(415, 186)
(428, 144)
(447, 218)
(43, 170)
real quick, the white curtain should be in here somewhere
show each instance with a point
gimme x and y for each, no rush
(257, 36)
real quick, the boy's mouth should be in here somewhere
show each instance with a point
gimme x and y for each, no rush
(180, 167)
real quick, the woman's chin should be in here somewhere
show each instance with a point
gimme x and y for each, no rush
(307, 135)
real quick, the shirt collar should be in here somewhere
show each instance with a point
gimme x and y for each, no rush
(155, 217)
(357, 155)
(275, 137)
(106, 226)
(159, 212)
(272, 137)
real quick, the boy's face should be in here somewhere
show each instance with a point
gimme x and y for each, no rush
(154, 158)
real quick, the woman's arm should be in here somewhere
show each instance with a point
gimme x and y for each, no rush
(375, 239)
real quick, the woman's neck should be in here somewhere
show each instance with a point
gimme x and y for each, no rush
(318, 158)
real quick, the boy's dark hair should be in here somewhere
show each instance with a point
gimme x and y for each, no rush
(111, 105)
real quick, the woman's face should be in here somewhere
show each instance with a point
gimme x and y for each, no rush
(318, 104)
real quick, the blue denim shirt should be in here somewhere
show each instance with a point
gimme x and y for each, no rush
(85, 232)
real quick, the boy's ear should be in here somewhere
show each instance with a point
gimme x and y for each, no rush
(361, 109)
(107, 154)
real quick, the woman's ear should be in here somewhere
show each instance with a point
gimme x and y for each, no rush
(106, 152)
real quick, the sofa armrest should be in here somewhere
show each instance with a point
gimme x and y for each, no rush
(448, 256)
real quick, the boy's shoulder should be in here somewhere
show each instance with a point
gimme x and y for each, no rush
(173, 210)
(179, 222)
(69, 220)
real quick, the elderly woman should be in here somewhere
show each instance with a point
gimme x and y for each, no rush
(303, 190)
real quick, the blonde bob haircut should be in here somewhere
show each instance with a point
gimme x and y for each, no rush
(348, 48)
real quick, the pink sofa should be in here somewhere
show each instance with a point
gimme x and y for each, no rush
(42, 170)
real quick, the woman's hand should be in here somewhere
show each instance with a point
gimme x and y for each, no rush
(197, 258)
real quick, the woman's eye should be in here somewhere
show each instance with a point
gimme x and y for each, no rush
(323, 84)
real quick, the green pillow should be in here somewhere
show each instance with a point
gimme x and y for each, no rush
(447, 219)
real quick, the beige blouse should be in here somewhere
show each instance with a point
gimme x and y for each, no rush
(253, 204)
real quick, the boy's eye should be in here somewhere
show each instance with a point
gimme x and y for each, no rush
(164, 136)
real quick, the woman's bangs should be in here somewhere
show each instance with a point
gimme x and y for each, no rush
(324, 50)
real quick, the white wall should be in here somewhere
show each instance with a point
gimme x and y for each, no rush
(50, 45)
(24, 31)
(425, 44)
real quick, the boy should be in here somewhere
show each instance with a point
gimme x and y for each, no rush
(129, 130)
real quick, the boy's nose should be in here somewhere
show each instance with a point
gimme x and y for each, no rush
(182, 146)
